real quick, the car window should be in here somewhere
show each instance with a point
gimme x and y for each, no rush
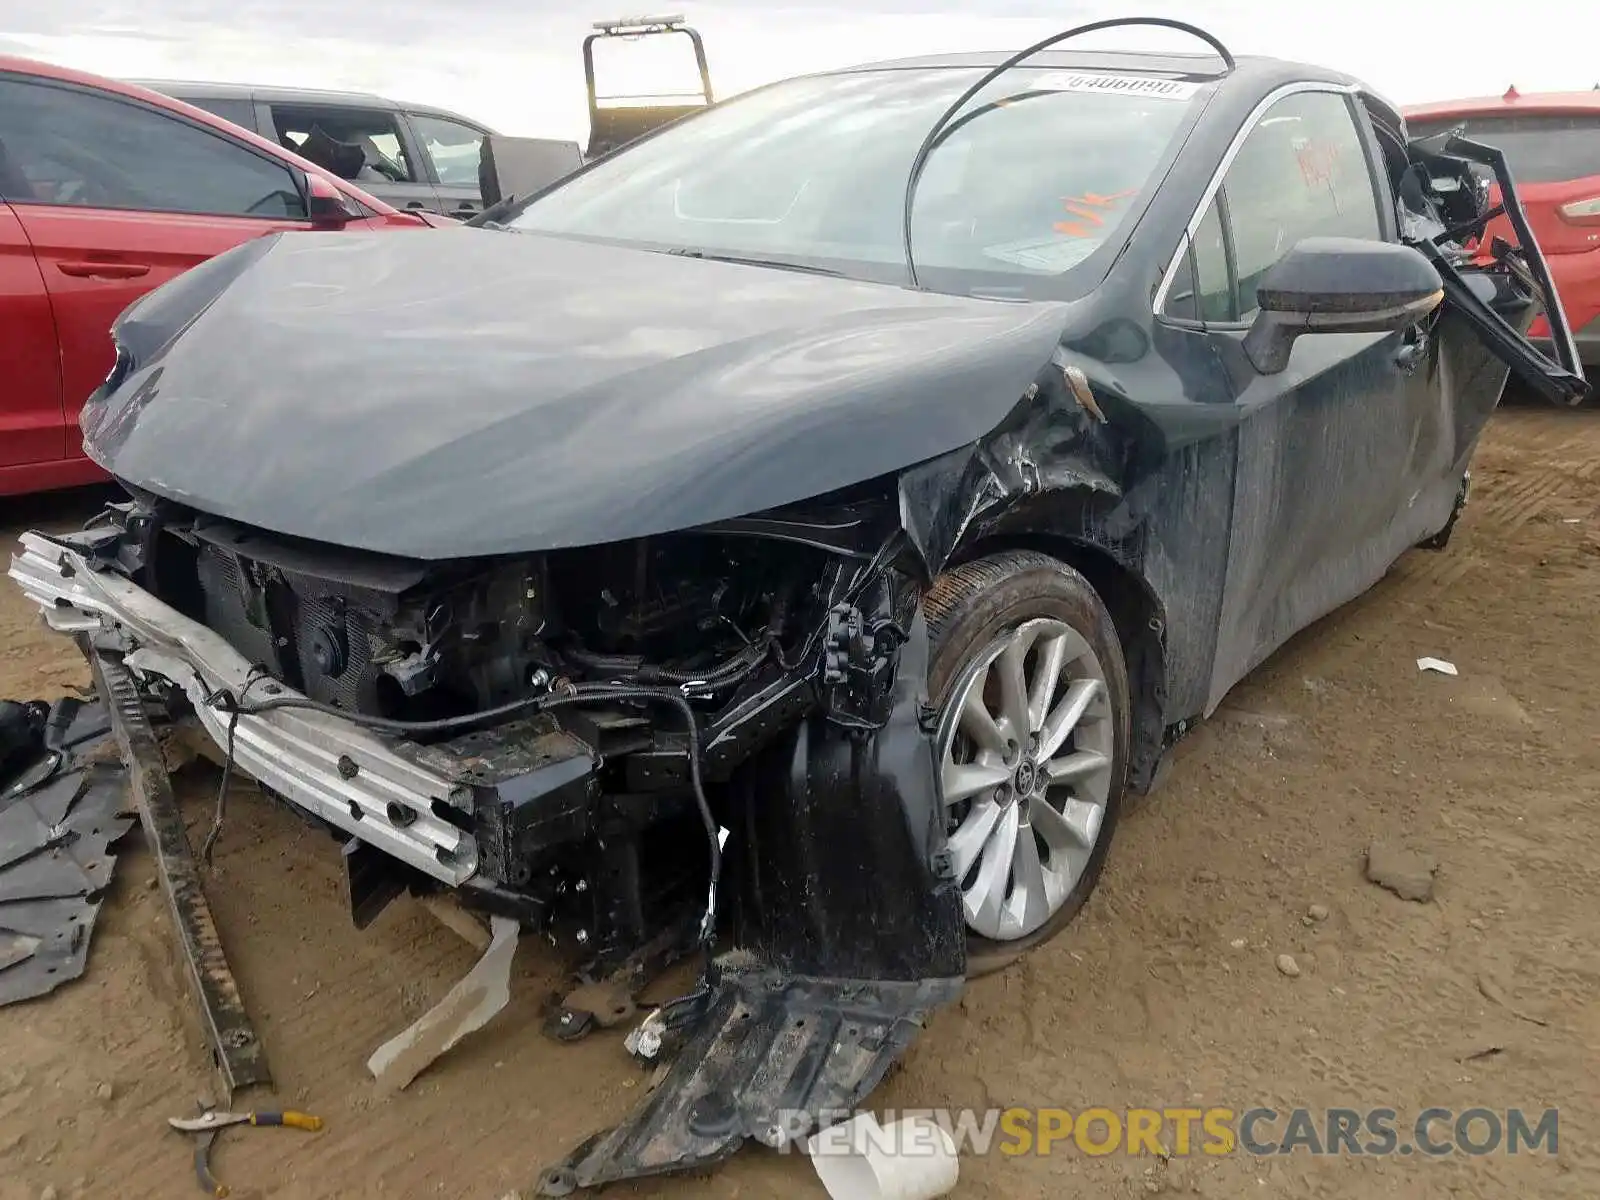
(362, 145)
(240, 112)
(1539, 148)
(452, 148)
(67, 146)
(1302, 172)
(1044, 167)
(1213, 286)
(1200, 288)
(1181, 303)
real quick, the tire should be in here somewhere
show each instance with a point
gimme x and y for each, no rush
(1009, 598)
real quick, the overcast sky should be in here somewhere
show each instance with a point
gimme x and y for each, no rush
(515, 64)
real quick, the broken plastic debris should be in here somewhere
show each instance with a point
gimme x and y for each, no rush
(1437, 664)
(471, 1004)
(912, 1159)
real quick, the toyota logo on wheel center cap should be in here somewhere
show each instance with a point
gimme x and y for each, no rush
(1027, 777)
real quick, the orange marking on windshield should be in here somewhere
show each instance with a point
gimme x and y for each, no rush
(1083, 208)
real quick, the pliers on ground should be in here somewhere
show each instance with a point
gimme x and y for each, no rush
(210, 1122)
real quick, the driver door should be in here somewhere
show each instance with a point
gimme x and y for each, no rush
(124, 197)
(1343, 458)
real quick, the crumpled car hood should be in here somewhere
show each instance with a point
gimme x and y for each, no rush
(471, 392)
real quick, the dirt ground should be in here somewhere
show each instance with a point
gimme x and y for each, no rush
(1165, 993)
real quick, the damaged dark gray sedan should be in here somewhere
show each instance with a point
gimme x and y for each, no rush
(798, 531)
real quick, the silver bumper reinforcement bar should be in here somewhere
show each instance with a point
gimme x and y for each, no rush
(330, 767)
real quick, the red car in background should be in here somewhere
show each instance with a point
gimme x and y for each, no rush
(1551, 142)
(108, 190)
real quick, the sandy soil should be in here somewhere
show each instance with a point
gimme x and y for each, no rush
(1165, 993)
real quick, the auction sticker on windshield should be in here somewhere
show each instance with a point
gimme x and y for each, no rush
(1122, 85)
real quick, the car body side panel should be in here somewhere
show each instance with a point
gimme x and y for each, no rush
(158, 246)
(1321, 467)
(1148, 487)
(32, 425)
(1248, 512)
(1577, 278)
(45, 476)
(1192, 523)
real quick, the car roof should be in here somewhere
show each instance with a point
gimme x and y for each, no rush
(1512, 101)
(156, 99)
(191, 88)
(1248, 69)
(246, 91)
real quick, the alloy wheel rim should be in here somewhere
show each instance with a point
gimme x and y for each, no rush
(1026, 748)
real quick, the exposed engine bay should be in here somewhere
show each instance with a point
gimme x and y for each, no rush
(498, 672)
(383, 640)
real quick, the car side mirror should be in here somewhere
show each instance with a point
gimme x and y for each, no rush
(326, 206)
(1338, 285)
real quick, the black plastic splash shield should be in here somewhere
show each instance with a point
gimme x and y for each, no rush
(59, 818)
(771, 1056)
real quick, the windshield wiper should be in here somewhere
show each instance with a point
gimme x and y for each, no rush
(690, 252)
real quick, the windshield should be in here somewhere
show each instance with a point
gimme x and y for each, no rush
(1538, 148)
(1044, 167)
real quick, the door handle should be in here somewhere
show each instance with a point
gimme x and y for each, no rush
(103, 270)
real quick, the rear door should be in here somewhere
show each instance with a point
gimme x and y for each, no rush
(123, 197)
(452, 151)
(32, 423)
(366, 145)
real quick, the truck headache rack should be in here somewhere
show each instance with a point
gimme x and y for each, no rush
(614, 125)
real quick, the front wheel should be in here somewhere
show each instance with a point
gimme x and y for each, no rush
(1029, 679)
